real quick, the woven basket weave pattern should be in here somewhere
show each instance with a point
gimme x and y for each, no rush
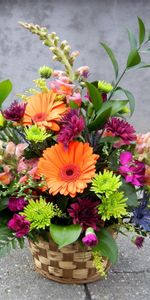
(70, 264)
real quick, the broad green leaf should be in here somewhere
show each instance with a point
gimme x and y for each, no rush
(112, 58)
(133, 58)
(100, 120)
(130, 97)
(5, 89)
(107, 245)
(130, 193)
(95, 96)
(131, 100)
(65, 235)
(117, 106)
(141, 31)
(132, 39)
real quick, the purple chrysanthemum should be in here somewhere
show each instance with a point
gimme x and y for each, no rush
(15, 111)
(139, 240)
(85, 213)
(72, 126)
(122, 129)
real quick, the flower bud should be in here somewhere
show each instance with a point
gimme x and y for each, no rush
(90, 238)
(45, 72)
(63, 44)
(67, 49)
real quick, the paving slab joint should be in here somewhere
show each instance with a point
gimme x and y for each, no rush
(87, 293)
(132, 272)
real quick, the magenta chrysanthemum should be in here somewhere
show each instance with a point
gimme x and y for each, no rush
(85, 213)
(15, 111)
(72, 126)
(122, 129)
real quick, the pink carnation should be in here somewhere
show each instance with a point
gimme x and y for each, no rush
(19, 225)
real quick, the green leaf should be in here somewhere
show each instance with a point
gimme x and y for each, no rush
(109, 139)
(131, 100)
(112, 58)
(5, 89)
(133, 58)
(95, 96)
(5, 232)
(3, 203)
(130, 97)
(141, 31)
(100, 120)
(129, 192)
(107, 245)
(132, 39)
(21, 242)
(65, 235)
(73, 105)
(117, 106)
(143, 65)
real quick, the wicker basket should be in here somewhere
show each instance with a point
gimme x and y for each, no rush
(70, 264)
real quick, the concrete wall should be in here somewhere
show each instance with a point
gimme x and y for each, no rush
(84, 24)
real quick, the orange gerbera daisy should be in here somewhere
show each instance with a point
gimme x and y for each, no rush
(44, 110)
(68, 171)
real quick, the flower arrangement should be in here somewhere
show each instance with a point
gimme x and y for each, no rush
(71, 164)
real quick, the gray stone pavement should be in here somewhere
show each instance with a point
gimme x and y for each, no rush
(84, 23)
(128, 279)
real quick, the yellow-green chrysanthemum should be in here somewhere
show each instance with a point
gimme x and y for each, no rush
(36, 134)
(106, 183)
(113, 206)
(104, 86)
(39, 213)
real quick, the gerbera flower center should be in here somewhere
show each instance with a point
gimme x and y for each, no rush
(70, 172)
(39, 117)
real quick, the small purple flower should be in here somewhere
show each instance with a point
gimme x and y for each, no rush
(132, 170)
(90, 238)
(15, 111)
(16, 204)
(141, 215)
(72, 126)
(19, 225)
(138, 241)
